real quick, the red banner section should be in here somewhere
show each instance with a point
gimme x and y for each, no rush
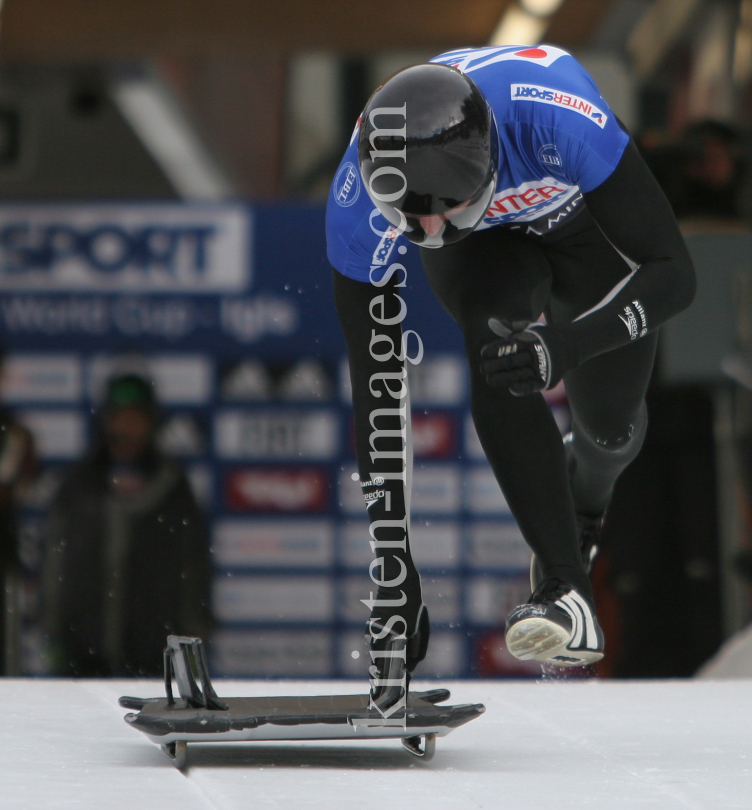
(277, 489)
(433, 435)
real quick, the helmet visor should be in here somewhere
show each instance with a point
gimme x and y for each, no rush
(437, 230)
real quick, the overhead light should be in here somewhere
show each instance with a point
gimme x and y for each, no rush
(541, 8)
(524, 23)
(518, 27)
(155, 117)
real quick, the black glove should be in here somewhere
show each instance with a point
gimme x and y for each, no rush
(526, 358)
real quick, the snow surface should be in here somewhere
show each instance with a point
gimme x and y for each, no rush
(733, 660)
(584, 744)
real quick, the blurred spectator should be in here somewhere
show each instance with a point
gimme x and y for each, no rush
(18, 466)
(126, 557)
(713, 170)
(703, 174)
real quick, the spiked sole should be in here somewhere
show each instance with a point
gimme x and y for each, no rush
(538, 639)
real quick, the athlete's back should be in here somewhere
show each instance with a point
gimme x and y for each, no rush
(557, 138)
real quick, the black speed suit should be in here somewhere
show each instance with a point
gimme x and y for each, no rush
(625, 223)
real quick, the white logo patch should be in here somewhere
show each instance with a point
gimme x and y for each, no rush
(643, 317)
(386, 245)
(629, 320)
(557, 98)
(346, 185)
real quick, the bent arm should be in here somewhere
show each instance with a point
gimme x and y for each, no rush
(636, 218)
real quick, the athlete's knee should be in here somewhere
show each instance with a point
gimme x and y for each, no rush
(624, 440)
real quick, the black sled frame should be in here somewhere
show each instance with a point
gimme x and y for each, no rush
(200, 716)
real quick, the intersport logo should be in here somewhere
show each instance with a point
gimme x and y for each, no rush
(558, 98)
(121, 247)
(528, 201)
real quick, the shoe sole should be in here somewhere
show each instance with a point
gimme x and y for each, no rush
(538, 639)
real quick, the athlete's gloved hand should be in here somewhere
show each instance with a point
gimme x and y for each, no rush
(526, 357)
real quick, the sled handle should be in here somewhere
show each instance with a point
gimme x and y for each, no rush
(177, 664)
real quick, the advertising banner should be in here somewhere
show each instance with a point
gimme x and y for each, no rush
(114, 247)
(227, 309)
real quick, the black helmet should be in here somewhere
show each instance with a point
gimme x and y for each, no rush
(428, 148)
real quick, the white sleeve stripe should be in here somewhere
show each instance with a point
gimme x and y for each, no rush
(611, 295)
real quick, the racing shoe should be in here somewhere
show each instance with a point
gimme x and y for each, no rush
(395, 657)
(557, 625)
(589, 531)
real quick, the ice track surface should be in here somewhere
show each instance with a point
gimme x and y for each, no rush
(605, 745)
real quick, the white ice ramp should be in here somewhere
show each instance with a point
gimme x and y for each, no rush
(605, 745)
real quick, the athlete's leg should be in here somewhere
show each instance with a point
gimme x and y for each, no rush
(607, 393)
(609, 420)
(497, 273)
